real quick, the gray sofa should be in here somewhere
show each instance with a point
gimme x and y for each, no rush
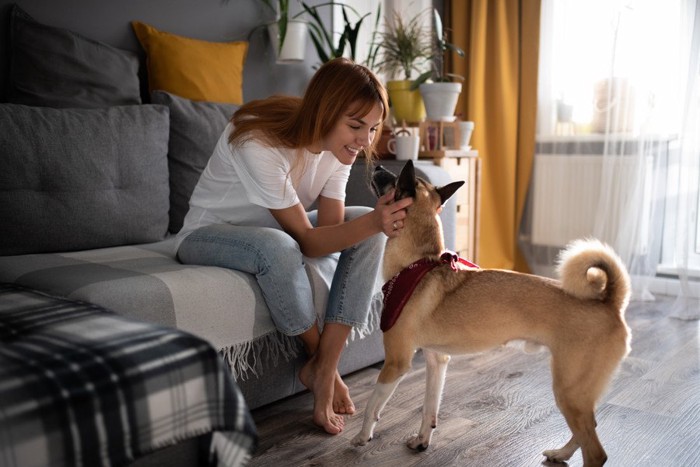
(96, 181)
(91, 196)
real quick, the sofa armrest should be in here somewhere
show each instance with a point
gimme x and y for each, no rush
(359, 193)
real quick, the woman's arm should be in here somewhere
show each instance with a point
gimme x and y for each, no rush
(332, 234)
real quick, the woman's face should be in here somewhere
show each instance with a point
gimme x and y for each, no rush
(352, 134)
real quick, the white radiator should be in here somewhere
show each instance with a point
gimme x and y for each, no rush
(568, 203)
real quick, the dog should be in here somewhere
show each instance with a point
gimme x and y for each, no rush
(458, 309)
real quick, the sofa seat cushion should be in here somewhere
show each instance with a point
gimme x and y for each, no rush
(146, 282)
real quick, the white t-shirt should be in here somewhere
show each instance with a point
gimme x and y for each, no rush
(240, 184)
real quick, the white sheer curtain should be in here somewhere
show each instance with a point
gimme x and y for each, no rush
(617, 153)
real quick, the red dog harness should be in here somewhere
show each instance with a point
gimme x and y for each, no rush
(399, 288)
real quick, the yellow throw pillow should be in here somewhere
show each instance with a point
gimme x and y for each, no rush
(191, 68)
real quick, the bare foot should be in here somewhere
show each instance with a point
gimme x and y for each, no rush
(322, 385)
(341, 397)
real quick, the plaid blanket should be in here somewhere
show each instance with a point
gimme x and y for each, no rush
(80, 385)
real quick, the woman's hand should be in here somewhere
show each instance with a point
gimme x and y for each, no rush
(391, 214)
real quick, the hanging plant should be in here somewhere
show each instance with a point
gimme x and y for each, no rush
(281, 18)
(322, 37)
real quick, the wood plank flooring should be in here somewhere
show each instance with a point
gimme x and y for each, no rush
(498, 409)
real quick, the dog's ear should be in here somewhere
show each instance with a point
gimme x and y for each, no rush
(382, 181)
(406, 185)
(448, 190)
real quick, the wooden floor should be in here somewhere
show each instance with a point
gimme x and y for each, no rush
(498, 409)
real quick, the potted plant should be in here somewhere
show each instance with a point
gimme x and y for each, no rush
(322, 37)
(441, 94)
(404, 46)
(288, 36)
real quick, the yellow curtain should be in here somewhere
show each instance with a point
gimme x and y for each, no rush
(501, 42)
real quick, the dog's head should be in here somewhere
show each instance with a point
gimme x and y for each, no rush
(407, 184)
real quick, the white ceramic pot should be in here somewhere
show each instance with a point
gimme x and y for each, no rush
(440, 100)
(294, 46)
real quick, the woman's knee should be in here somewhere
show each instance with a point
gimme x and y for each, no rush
(275, 240)
(280, 250)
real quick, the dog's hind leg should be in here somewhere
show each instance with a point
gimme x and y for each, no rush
(394, 369)
(562, 454)
(582, 424)
(576, 396)
(436, 368)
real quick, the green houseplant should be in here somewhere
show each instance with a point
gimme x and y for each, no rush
(322, 37)
(287, 35)
(441, 93)
(404, 46)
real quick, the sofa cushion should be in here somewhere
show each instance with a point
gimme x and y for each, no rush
(195, 127)
(76, 179)
(192, 68)
(147, 282)
(56, 67)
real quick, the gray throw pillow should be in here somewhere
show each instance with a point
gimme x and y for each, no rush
(195, 127)
(55, 67)
(78, 179)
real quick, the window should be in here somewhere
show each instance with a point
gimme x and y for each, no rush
(625, 74)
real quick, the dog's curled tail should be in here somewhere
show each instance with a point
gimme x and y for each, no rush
(590, 269)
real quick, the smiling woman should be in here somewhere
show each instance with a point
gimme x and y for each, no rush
(356, 133)
(250, 211)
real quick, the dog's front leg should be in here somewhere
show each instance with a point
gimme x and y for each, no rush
(380, 396)
(397, 362)
(436, 368)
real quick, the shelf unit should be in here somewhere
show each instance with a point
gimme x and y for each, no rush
(465, 168)
(460, 164)
(439, 143)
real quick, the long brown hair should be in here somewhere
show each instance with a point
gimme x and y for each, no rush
(340, 87)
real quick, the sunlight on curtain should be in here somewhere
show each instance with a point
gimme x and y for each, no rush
(617, 155)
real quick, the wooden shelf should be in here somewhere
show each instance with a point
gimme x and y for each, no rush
(439, 154)
(440, 139)
(438, 144)
(468, 199)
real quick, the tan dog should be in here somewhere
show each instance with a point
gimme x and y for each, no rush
(580, 319)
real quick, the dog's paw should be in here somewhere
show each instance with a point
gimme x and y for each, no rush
(557, 455)
(360, 440)
(418, 443)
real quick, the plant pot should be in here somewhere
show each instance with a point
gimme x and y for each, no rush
(407, 106)
(440, 100)
(294, 46)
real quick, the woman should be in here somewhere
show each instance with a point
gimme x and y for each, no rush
(248, 212)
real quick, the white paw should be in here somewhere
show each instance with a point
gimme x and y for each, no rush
(557, 455)
(418, 443)
(361, 439)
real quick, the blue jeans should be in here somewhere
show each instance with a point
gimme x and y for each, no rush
(276, 261)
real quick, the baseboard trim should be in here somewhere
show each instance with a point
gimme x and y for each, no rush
(670, 286)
